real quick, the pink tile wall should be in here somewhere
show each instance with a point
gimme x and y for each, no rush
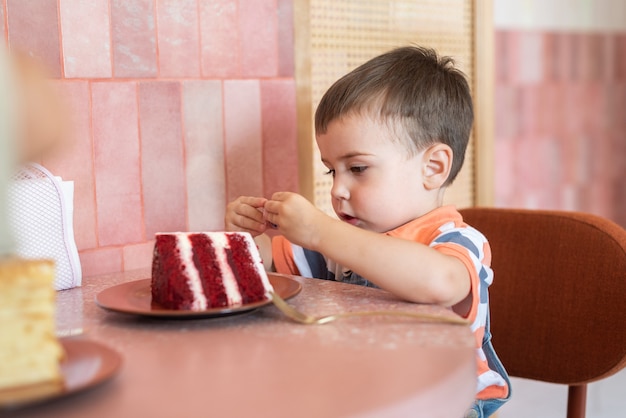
(3, 16)
(75, 161)
(258, 25)
(179, 38)
(176, 106)
(242, 127)
(86, 47)
(560, 105)
(279, 166)
(117, 163)
(219, 37)
(285, 38)
(33, 27)
(204, 154)
(133, 27)
(162, 163)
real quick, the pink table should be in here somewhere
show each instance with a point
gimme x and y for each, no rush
(261, 364)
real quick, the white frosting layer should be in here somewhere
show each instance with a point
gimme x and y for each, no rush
(193, 277)
(220, 244)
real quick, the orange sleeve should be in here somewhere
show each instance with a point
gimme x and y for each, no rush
(282, 255)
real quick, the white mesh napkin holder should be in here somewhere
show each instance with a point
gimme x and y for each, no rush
(40, 210)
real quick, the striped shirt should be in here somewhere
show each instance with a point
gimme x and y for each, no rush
(444, 230)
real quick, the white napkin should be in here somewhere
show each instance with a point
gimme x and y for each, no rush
(41, 219)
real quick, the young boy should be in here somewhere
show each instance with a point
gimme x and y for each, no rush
(393, 135)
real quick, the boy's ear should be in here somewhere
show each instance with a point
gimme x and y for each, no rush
(437, 163)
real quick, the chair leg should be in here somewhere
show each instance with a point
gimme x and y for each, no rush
(576, 401)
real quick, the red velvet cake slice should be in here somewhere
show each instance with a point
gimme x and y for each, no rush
(202, 270)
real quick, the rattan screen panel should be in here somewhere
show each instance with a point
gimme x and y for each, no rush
(345, 33)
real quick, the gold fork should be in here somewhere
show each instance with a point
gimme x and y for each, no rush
(303, 318)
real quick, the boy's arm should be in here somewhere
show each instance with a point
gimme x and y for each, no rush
(410, 270)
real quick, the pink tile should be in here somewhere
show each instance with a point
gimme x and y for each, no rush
(506, 111)
(563, 57)
(513, 56)
(75, 162)
(101, 261)
(620, 55)
(34, 28)
(574, 108)
(204, 152)
(618, 106)
(162, 164)
(531, 58)
(505, 180)
(549, 110)
(258, 28)
(607, 66)
(285, 38)
(117, 165)
(601, 201)
(3, 23)
(502, 56)
(242, 119)
(528, 168)
(550, 47)
(86, 47)
(219, 38)
(134, 38)
(602, 160)
(528, 106)
(589, 56)
(571, 158)
(138, 256)
(280, 144)
(178, 38)
(596, 112)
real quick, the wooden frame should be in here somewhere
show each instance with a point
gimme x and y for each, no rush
(484, 80)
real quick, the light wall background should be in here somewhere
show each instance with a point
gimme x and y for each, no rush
(178, 107)
(561, 140)
(560, 103)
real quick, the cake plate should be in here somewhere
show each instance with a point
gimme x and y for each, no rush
(135, 298)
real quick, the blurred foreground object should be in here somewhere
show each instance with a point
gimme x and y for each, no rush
(30, 124)
(29, 351)
(6, 150)
(41, 117)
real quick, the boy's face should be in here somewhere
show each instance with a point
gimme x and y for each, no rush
(376, 186)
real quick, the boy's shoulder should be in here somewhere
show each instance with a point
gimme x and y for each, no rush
(442, 225)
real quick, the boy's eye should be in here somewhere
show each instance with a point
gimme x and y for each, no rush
(358, 169)
(330, 172)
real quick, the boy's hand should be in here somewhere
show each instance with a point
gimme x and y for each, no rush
(296, 218)
(245, 214)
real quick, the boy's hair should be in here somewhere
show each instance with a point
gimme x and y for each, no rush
(413, 86)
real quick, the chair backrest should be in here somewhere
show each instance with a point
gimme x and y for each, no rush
(558, 300)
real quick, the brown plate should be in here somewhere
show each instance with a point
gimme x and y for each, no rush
(136, 298)
(86, 364)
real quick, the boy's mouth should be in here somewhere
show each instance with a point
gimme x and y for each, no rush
(349, 219)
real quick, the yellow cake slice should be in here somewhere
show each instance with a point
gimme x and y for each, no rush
(30, 352)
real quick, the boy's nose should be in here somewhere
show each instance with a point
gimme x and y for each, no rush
(339, 191)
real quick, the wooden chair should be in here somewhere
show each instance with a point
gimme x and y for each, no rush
(558, 300)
